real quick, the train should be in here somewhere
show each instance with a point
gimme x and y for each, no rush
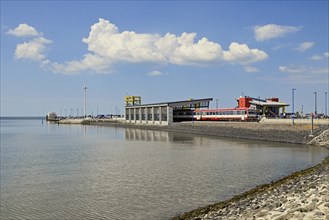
(223, 114)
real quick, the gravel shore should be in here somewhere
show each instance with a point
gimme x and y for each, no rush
(302, 195)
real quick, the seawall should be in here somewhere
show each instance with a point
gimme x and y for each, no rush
(297, 134)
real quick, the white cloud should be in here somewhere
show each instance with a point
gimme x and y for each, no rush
(251, 69)
(270, 31)
(241, 53)
(316, 57)
(107, 46)
(304, 75)
(303, 69)
(292, 69)
(90, 62)
(320, 57)
(33, 49)
(106, 41)
(305, 46)
(24, 30)
(155, 73)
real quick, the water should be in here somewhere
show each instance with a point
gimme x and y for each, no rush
(86, 172)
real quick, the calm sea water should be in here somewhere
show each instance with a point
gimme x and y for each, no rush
(88, 172)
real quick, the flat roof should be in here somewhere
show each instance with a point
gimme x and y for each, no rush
(178, 103)
(269, 103)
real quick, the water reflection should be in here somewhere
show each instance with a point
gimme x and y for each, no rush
(89, 172)
(134, 134)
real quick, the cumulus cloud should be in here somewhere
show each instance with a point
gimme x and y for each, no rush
(241, 53)
(106, 41)
(89, 63)
(33, 49)
(24, 30)
(326, 54)
(305, 46)
(108, 46)
(270, 31)
(155, 73)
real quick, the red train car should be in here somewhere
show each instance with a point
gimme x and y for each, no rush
(226, 114)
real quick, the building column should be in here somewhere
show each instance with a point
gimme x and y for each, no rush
(135, 115)
(152, 112)
(129, 115)
(160, 115)
(167, 115)
(140, 115)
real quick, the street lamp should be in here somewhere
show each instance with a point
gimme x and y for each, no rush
(216, 103)
(293, 103)
(326, 104)
(85, 101)
(315, 104)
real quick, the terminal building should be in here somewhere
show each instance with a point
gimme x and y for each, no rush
(160, 113)
(270, 107)
(165, 113)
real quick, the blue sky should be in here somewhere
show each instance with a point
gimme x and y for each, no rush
(162, 51)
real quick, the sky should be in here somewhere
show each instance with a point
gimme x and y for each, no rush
(161, 51)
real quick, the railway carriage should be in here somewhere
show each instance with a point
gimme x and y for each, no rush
(226, 114)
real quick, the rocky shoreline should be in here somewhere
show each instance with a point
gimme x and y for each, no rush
(301, 195)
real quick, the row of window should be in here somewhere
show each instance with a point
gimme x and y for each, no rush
(149, 117)
(223, 113)
(211, 113)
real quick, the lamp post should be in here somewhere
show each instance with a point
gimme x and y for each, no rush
(216, 103)
(85, 101)
(315, 104)
(293, 103)
(325, 103)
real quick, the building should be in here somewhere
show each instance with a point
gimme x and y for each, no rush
(270, 107)
(162, 113)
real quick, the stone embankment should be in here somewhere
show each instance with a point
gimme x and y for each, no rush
(321, 140)
(302, 195)
(298, 134)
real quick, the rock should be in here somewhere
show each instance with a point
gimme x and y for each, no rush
(319, 213)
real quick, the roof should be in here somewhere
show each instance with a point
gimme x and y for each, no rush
(179, 103)
(269, 103)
